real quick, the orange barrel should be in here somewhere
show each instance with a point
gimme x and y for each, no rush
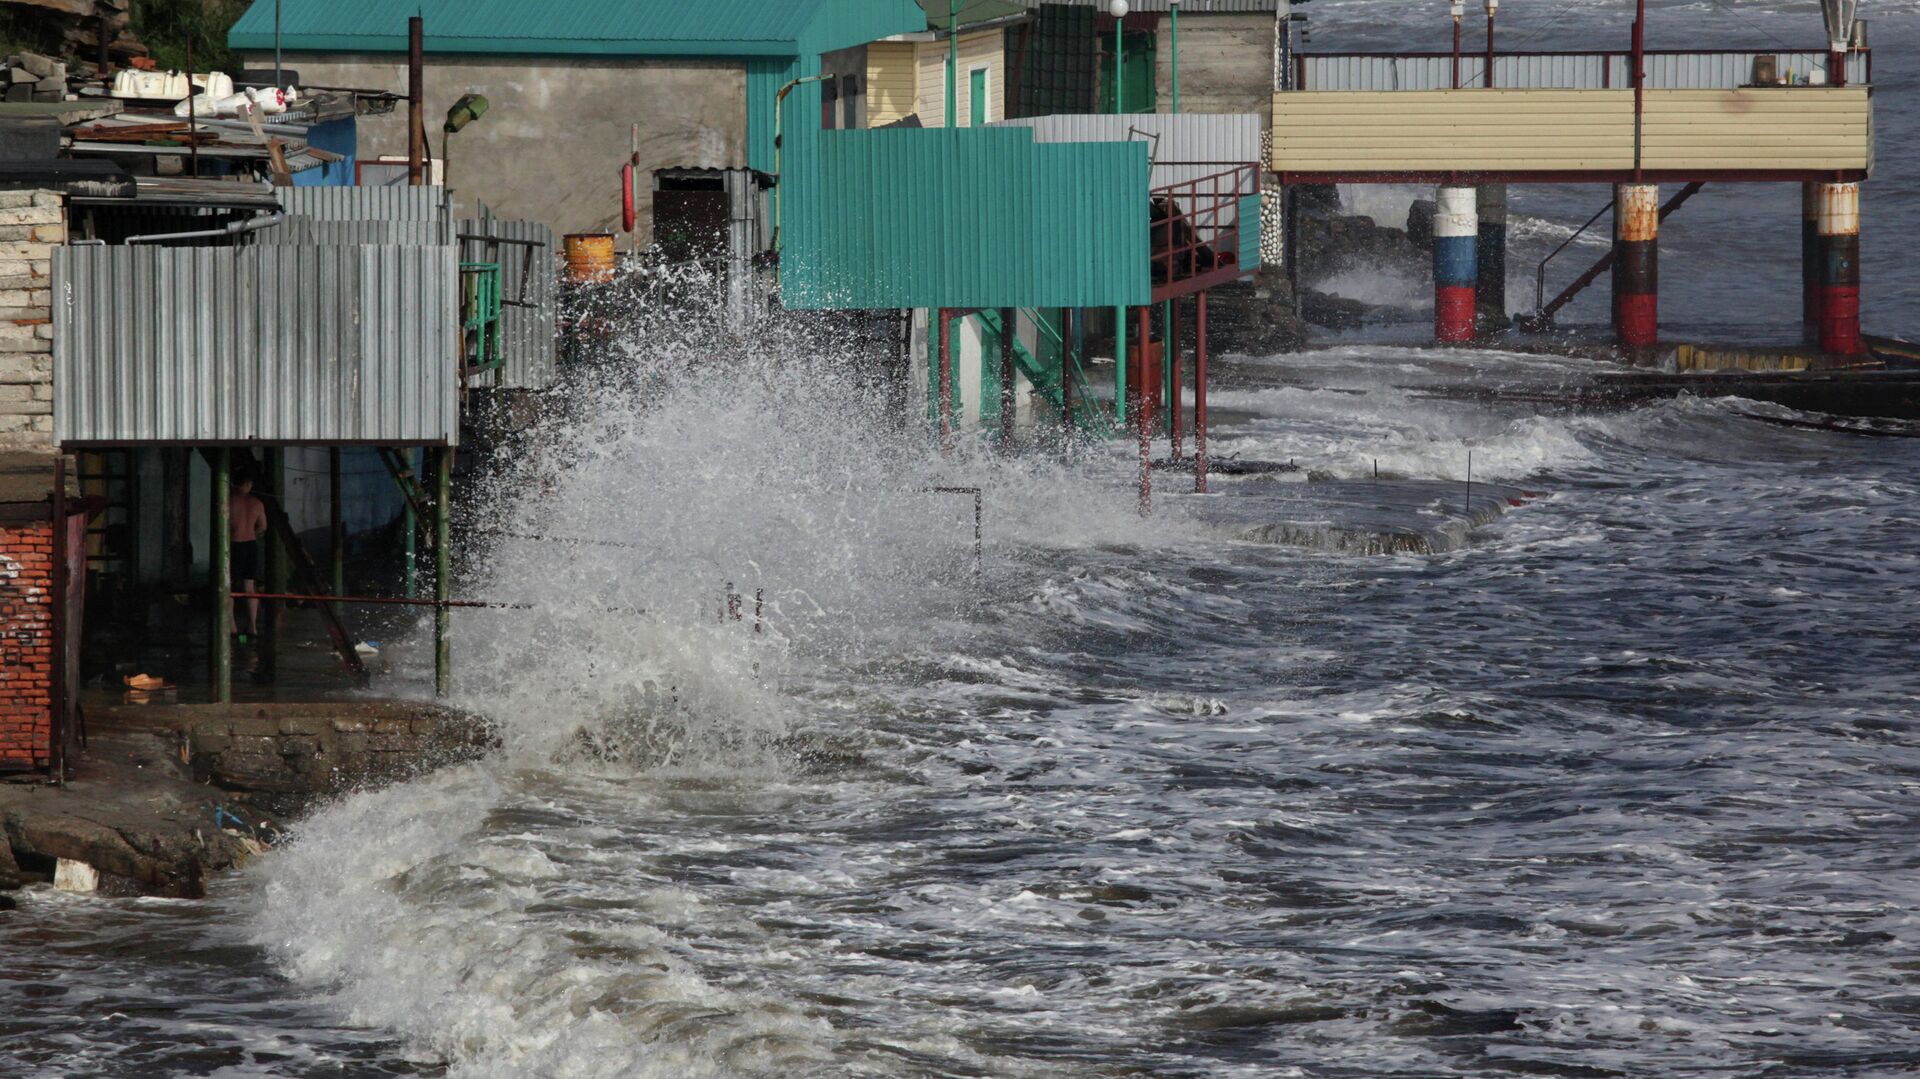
(590, 257)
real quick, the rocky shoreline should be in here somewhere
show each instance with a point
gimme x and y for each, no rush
(167, 796)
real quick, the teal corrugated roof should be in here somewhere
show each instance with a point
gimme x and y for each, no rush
(715, 28)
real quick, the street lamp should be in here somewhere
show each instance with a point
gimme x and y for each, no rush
(1118, 9)
(469, 108)
(1493, 8)
(1459, 11)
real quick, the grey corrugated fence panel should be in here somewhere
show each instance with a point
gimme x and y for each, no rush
(1560, 71)
(528, 336)
(1187, 7)
(365, 203)
(1184, 147)
(297, 231)
(259, 344)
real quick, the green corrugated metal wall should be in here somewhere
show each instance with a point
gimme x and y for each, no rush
(1249, 220)
(970, 217)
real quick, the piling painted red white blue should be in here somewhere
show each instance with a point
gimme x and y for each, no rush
(1491, 257)
(1456, 236)
(1636, 265)
(1839, 297)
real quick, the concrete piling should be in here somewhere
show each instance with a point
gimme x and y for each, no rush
(1491, 257)
(1636, 264)
(1839, 294)
(1456, 234)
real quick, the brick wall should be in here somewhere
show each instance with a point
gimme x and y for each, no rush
(32, 224)
(26, 643)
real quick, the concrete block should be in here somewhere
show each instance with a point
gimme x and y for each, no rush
(49, 198)
(14, 200)
(23, 339)
(32, 215)
(40, 66)
(26, 252)
(24, 407)
(50, 234)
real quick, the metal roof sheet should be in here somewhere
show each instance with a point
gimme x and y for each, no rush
(579, 27)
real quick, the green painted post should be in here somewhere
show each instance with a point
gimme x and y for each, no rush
(221, 569)
(442, 570)
(1119, 71)
(1166, 364)
(1120, 365)
(953, 63)
(1176, 56)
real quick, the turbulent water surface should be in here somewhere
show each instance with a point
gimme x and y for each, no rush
(1625, 787)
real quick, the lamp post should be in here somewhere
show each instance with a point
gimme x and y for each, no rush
(1493, 8)
(469, 108)
(1459, 12)
(1118, 9)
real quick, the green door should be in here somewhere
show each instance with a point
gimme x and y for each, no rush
(977, 93)
(1141, 75)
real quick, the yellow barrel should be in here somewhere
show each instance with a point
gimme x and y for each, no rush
(589, 257)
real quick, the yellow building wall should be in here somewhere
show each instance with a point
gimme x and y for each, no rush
(984, 49)
(1571, 130)
(892, 82)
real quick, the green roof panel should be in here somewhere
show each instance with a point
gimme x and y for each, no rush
(710, 28)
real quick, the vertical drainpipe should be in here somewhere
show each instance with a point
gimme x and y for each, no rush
(1840, 270)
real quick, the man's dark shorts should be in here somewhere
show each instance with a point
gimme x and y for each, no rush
(246, 561)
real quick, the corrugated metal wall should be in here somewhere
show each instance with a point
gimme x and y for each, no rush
(1499, 130)
(1559, 71)
(257, 344)
(973, 217)
(529, 336)
(1182, 148)
(305, 231)
(424, 203)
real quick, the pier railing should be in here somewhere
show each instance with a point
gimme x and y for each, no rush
(1198, 230)
(1709, 69)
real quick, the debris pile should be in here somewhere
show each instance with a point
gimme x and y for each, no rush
(29, 76)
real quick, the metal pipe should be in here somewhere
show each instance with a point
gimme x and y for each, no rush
(1173, 377)
(58, 712)
(1639, 86)
(231, 228)
(221, 569)
(1069, 362)
(412, 525)
(952, 105)
(442, 571)
(1119, 365)
(1459, 11)
(1143, 412)
(416, 103)
(779, 115)
(337, 530)
(383, 601)
(1636, 265)
(946, 380)
(278, 78)
(1200, 393)
(1008, 316)
(1493, 6)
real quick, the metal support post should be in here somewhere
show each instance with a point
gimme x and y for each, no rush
(412, 525)
(1636, 264)
(416, 102)
(1008, 325)
(946, 380)
(337, 530)
(442, 570)
(1143, 410)
(1200, 393)
(1069, 353)
(1174, 378)
(1493, 7)
(1119, 365)
(1811, 274)
(220, 568)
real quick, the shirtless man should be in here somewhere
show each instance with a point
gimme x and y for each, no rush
(247, 519)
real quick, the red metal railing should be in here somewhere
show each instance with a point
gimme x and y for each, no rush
(1196, 229)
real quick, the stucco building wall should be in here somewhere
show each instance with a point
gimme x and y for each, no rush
(1226, 64)
(557, 130)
